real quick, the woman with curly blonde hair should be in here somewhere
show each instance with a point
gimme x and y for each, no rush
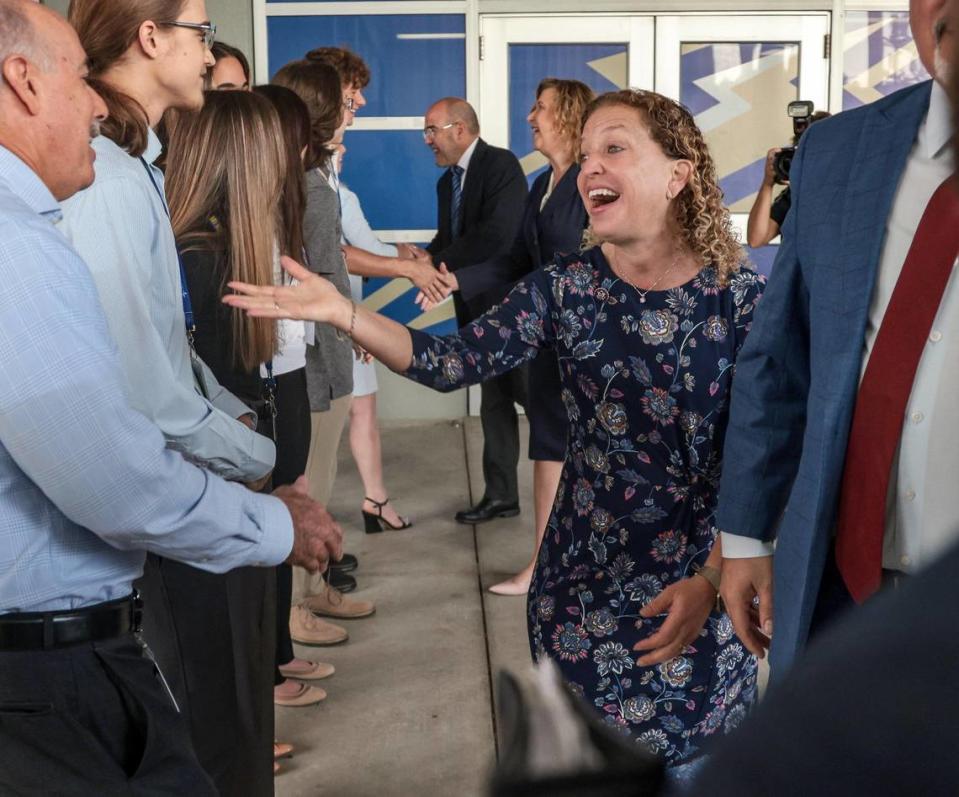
(647, 326)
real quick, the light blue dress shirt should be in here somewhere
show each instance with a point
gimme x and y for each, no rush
(121, 229)
(87, 484)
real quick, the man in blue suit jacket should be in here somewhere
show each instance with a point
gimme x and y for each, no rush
(860, 183)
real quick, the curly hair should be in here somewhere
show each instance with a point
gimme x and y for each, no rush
(572, 98)
(704, 221)
(352, 69)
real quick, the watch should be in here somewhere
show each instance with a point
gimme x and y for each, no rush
(712, 574)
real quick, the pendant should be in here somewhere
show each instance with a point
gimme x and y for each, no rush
(642, 300)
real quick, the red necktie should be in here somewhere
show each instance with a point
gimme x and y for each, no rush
(884, 392)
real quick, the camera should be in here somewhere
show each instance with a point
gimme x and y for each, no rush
(800, 112)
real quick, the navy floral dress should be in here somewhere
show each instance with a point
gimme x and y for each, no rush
(646, 387)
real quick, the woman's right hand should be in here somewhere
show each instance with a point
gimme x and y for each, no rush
(769, 173)
(312, 298)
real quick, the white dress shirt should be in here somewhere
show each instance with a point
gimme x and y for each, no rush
(464, 162)
(922, 515)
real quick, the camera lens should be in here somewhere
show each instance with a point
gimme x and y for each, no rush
(782, 163)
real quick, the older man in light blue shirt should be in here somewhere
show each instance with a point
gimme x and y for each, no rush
(88, 484)
(74, 457)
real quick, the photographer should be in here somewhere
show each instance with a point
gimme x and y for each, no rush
(767, 214)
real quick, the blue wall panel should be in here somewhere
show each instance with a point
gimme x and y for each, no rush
(408, 74)
(394, 175)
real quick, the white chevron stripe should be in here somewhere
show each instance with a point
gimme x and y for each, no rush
(721, 84)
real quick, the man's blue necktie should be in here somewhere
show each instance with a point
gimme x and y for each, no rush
(456, 205)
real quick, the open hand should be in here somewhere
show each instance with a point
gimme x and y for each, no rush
(312, 298)
(687, 604)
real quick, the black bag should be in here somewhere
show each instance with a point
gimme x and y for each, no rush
(554, 744)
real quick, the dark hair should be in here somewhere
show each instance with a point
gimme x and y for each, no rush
(318, 85)
(352, 69)
(107, 29)
(224, 50)
(295, 122)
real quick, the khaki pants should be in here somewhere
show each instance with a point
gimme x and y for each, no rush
(326, 429)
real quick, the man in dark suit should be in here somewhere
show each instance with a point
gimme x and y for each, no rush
(856, 334)
(480, 207)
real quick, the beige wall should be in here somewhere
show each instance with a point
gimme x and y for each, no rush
(233, 18)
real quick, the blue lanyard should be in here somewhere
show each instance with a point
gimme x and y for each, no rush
(184, 290)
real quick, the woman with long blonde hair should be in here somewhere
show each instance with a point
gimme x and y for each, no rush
(224, 177)
(225, 170)
(647, 324)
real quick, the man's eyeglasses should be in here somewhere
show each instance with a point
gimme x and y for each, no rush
(349, 103)
(430, 131)
(208, 29)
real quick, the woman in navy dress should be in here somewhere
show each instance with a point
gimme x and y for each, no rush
(646, 326)
(553, 224)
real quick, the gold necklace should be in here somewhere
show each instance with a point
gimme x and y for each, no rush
(642, 294)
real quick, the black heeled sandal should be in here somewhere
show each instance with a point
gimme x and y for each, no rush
(375, 522)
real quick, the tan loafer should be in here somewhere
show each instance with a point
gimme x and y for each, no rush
(333, 603)
(306, 696)
(308, 629)
(316, 671)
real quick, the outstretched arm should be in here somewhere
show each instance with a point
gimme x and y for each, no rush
(495, 343)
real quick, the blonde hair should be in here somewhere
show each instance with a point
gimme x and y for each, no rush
(704, 221)
(572, 99)
(224, 177)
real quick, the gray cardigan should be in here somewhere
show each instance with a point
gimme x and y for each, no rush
(329, 362)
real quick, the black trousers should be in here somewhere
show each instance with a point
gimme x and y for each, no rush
(501, 432)
(292, 451)
(214, 637)
(92, 720)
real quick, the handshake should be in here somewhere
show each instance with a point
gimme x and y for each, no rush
(435, 285)
(317, 538)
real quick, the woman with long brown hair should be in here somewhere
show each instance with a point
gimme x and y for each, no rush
(147, 57)
(329, 358)
(647, 324)
(293, 402)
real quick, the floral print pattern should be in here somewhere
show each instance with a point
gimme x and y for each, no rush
(646, 389)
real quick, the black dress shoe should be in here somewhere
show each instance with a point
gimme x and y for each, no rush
(341, 581)
(486, 510)
(347, 564)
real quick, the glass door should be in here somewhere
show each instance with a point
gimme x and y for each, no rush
(605, 52)
(517, 52)
(736, 73)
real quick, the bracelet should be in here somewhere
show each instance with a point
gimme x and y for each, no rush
(339, 334)
(712, 574)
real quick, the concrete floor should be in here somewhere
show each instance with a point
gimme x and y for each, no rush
(409, 710)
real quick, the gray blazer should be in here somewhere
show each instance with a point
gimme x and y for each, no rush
(329, 362)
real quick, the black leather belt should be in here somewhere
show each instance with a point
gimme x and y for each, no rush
(52, 630)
